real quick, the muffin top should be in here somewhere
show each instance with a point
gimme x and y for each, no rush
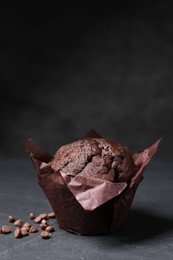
(95, 158)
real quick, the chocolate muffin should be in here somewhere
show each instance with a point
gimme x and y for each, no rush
(95, 158)
(90, 183)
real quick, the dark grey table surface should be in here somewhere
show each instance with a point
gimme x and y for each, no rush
(147, 233)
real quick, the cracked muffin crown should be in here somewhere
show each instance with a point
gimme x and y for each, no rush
(95, 158)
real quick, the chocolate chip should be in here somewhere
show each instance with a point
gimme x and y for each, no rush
(24, 228)
(45, 235)
(26, 224)
(43, 226)
(27, 228)
(31, 216)
(11, 219)
(37, 219)
(6, 229)
(43, 215)
(19, 223)
(17, 233)
(50, 229)
(33, 229)
(44, 221)
(24, 231)
(51, 214)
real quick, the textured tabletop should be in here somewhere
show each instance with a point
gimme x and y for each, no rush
(147, 233)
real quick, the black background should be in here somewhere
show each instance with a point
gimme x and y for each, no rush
(68, 68)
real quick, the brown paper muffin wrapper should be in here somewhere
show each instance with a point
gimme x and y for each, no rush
(82, 205)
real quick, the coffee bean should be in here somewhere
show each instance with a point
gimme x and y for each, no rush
(33, 229)
(11, 219)
(50, 229)
(45, 235)
(19, 223)
(51, 214)
(6, 229)
(31, 216)
(17, 233)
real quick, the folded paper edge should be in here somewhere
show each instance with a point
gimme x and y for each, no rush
(141, 159)
(85, 190)
(92, 134)
(36, 151)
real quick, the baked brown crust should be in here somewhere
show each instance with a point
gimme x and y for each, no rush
(95, 158)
